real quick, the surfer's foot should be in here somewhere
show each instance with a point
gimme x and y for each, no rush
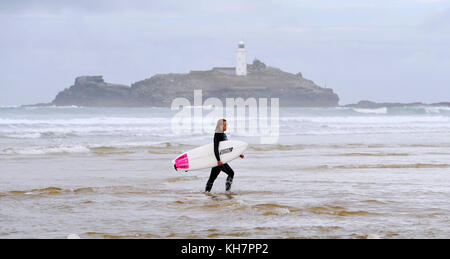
(228, 192)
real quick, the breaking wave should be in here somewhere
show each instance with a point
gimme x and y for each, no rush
(382, 110)
(379, 166)
(118, 148)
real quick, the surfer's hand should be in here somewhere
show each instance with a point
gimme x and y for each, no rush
(219, 163)
(242, 156)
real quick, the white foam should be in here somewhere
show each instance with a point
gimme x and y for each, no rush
(366, 119)
(73, 236)
(283, 211)
(45, 150)
(373, 236)
(9, 106)
(434, 110)
(85, 121)
(33, 135)
(382, 110)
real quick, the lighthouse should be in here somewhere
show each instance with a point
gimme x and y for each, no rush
(241, 60)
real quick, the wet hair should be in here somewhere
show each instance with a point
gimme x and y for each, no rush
(220, 125)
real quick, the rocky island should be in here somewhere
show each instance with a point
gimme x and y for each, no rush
(261, 81)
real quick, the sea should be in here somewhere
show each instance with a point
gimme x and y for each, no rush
(333, 173)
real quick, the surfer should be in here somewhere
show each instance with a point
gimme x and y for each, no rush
(221, 127)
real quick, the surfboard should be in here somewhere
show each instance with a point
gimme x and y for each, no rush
(203, 157)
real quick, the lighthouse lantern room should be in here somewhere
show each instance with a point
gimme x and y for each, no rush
(241, 60)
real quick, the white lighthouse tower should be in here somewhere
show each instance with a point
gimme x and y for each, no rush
(241, 60)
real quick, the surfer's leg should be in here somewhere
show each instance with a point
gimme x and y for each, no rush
(227, 169)
(212, 177)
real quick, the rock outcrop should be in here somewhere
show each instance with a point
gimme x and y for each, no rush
(93, 91)
(159, 90)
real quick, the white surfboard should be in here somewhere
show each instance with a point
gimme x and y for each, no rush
(203, 157)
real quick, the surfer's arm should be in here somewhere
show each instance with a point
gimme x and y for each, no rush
(216, 147)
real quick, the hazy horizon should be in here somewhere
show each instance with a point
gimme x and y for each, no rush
(393, 51)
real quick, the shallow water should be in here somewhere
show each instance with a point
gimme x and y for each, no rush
(335, 173)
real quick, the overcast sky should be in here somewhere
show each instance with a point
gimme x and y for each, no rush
(381, 50)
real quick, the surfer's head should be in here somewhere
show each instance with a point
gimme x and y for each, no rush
(221, 126)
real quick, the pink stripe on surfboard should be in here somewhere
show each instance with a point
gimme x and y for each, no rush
(182, 162)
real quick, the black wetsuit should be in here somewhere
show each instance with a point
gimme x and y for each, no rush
(216, 170)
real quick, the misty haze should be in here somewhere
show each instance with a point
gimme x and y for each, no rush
(224, 120)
